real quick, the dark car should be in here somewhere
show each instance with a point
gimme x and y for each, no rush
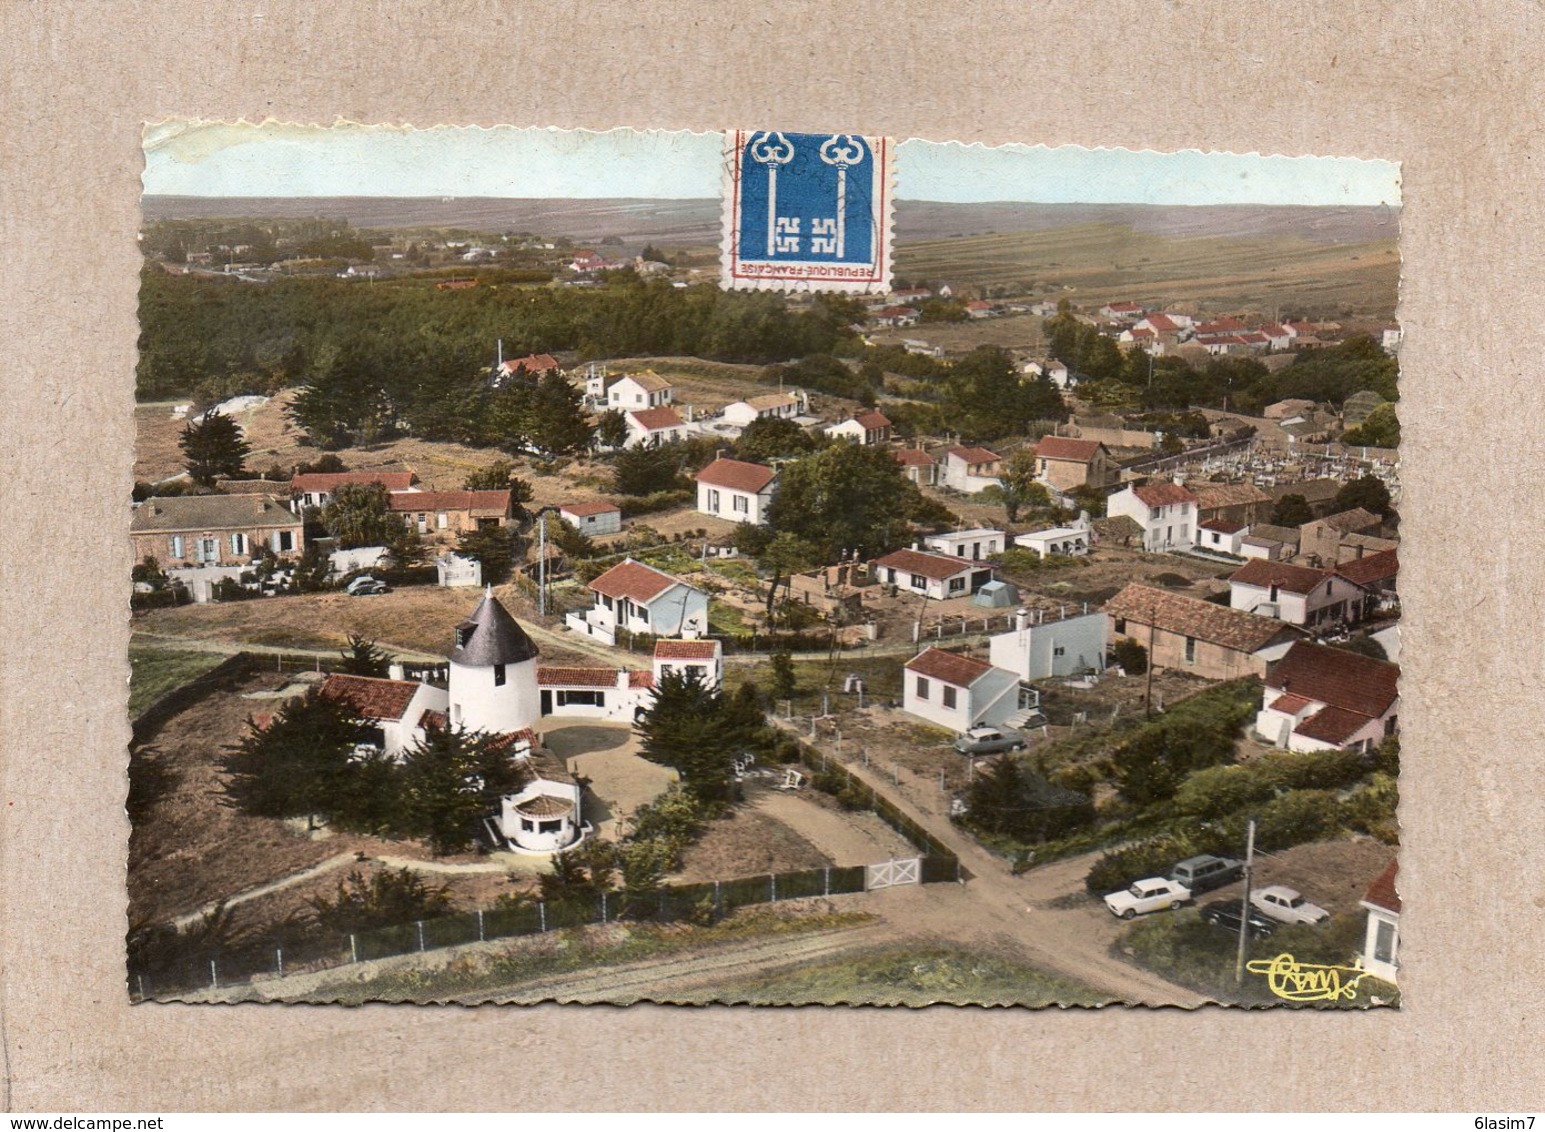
(1225, 914)
(1206, 872)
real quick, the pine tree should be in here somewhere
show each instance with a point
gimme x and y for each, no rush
(297, 765)
(363, 658)
(214, 448)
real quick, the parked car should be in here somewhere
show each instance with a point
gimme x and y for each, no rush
(1148, 895)
(1225, 914)
(365, 585)
(1206, 872)
(1287, 906)
(989, 741)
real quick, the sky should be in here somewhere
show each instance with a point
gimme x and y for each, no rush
(271, 159)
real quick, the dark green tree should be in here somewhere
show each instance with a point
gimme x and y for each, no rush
(363, 658)
(1380, 430)
(494, 547)
(695, 729)
(385, 899)
(611, 429)
(358, 514)
(645, 470)
(1292, 510)
(450, 780)
(768, 437)
(297, 765)
(784, 681)
(1367, 492)
(846, 498)
(214, 449)
(558, 425)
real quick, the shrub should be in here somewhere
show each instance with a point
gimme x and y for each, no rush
(1373, 808)
(1131, 656)
(1119, 868)
(1312, 770)
(1297, 817)
(1221, 790)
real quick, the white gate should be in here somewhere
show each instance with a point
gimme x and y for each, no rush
(888, 874)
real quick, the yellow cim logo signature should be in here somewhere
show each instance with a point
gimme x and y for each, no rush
(1289, 979)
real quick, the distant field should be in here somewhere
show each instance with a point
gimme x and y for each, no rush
(1014, 332)
(1093, 264)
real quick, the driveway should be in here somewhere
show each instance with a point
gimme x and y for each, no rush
(620, 780)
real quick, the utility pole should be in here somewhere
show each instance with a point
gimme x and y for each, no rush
(1244, 906)
(1153, 615)
(541, 565)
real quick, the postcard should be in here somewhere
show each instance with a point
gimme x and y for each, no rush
(762, 567)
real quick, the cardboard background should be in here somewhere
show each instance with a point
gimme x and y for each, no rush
(1451, 91)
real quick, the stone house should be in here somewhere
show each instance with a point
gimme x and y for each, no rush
(215, 530)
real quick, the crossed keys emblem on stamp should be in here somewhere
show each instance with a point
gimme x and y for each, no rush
(808, 211)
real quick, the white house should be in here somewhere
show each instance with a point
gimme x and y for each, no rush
(736, 490)
(633, 391)
(782, 406)
(592, 517)
(1051, 369)
(868, 428)
(1298, 595)
(1122, 312)
(1319, 698)
(1381, 942)
(702, 658)
(939, 576)
(1166, 512)
(969, 470)
(957, 691)
(648, 428)
(617, 695)
(1075, 538)
(1222, 537)
(396, 711)
(917, 465)
(636, 597)
(975, 544)
(1037, 650)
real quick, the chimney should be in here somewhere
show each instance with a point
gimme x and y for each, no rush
(1021, 619)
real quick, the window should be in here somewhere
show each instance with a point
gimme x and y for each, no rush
(587, 698)
(1384, 942)
(549, 826)
(1214, 538)
(1273, 595)
(740, 503)
(919, 582)
(643, 614)
(957, 584)
(238, 544)
(1121, 625)
(1190, 650)
(948, 697)
(922, 688)
(442, 520)
(176, 546)
(960, 551)
(1058, 650)
(713, 500)
(498, 676)
(527, 825)
(286, 540)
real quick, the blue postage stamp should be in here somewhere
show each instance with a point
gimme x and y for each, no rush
(807, 212)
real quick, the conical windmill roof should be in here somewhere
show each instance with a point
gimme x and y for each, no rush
(491, 636)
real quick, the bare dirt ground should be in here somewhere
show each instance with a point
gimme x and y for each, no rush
(1013, 332)
(621, 781)
(416, 620)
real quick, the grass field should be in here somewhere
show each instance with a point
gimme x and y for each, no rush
(1092, 264)
(912, 976)
(155, 672)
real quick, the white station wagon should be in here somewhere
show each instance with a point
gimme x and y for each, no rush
(1147, 896)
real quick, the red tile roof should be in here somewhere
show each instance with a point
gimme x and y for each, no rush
(873, 419)
(1381, 893)
(1163, 494)
(737, 475)
(1066, 448)
(1332, 725)
(1193, 617)
(912, 457)
(1289, 704)
(434, 719)
(332, 481)
(1371, 568)
(974, 455)
(633, 580)
(368, 696)
(1211, 496)
(1336, 677)
(532, 363)
(1265, 573)
(1124, 306)
(1162, 322)
(686, 650)
(952, 668)
(590, 507)
(641, 679)
(557, 676)
(497, 501)
(657, 420)
(935, 566)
